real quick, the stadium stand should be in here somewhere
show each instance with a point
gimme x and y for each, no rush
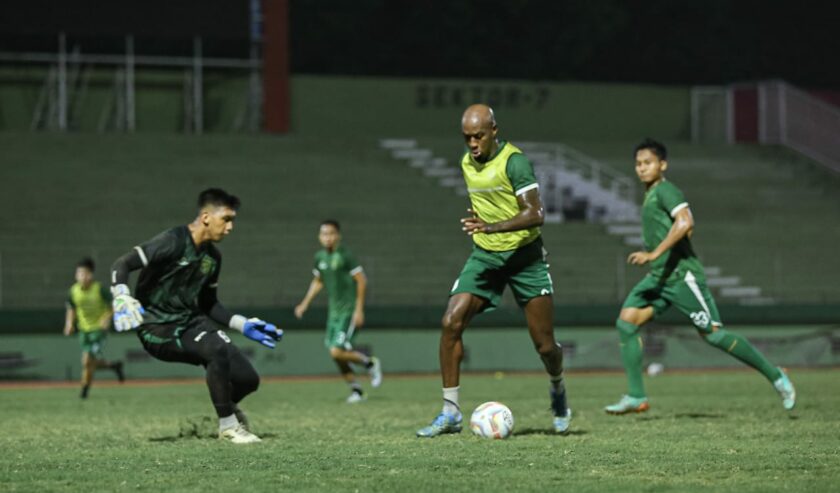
(107, 193)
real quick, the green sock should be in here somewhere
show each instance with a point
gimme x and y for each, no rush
(631, 357)
(738, 346)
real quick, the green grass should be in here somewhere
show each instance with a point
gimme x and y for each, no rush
(715, 431)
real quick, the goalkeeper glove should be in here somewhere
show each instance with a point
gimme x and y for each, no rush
(257, 330)
(128, 313)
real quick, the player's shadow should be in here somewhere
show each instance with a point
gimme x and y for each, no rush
(546, 431)
(648, 417)
(175, 438)
(699, 415)
(201, 428)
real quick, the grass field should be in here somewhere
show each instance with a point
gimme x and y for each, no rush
(715, 431)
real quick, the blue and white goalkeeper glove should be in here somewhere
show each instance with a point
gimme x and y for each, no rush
(257, 330)
(128, 313)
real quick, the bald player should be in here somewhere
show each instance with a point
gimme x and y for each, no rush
(504, 223)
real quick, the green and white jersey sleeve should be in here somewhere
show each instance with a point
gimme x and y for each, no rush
(520, 172)
(662, 203)
(352, 265)
(671, 198)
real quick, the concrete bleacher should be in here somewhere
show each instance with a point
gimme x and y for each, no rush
(70, 196)
(760, 217)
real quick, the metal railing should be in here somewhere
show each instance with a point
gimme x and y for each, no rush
(791, 117)
(620, 185)
(53, 108)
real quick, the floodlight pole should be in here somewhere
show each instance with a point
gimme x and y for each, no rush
(129, 84)
(197, 87)
(62, 82)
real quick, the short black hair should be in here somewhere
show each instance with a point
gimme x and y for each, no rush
(87, 263)
(219, 198)
(653, 146)
(331, 222)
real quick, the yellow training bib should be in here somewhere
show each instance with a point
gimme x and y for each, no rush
(494, 199)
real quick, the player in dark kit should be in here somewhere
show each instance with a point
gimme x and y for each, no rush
(174, 308)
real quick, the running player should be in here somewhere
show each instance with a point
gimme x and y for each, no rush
(676, 278)
(176, 311)
(338, 270)
(504, 223)
(89, 311)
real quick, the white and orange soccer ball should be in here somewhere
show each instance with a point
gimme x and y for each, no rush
(492, 420)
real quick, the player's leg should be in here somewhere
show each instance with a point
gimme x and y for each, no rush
(88, 367)
(97, 355)
(91, 344)
(201, 344)
(539, 313)
(339, 327)
(244, 380)
(341, 332)
(479, 287)
(461, 309)
(349, 377)
(213, 346)
(532, 288)
(694, 299)
(643, 302)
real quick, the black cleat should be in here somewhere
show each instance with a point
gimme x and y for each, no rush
(118, 369)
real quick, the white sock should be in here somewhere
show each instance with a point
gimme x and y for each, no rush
(450, 400)
(228, 422)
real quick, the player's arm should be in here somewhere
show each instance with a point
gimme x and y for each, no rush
(69, 319)
(683, 225)
(315, 287)
(531, 214)
(128, 313)
(361, 285)
(253, 328)
(105, 321)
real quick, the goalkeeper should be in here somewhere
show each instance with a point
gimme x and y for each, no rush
(174, 308)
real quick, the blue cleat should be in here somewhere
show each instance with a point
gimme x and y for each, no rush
(562, 413)
(443, 423)
(785, 389)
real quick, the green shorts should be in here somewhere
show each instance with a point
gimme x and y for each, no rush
(486, 273)
(92, 342)
(340, 331)
(688, 294)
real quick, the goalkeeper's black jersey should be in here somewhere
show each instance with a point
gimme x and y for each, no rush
(178, 280)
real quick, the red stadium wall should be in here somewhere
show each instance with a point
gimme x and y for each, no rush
(276, 85)
(746, 114)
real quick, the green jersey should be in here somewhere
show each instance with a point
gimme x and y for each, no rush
(336, 270)
(662, 203)
(178, 280)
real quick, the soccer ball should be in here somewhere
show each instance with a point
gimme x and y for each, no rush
(492, 420)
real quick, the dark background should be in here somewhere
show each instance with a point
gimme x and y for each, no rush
(658, 41)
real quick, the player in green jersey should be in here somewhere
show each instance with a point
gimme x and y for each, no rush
(336, 269)
(676, 278)
(177, 315)
(505, 215)
(89, 311)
